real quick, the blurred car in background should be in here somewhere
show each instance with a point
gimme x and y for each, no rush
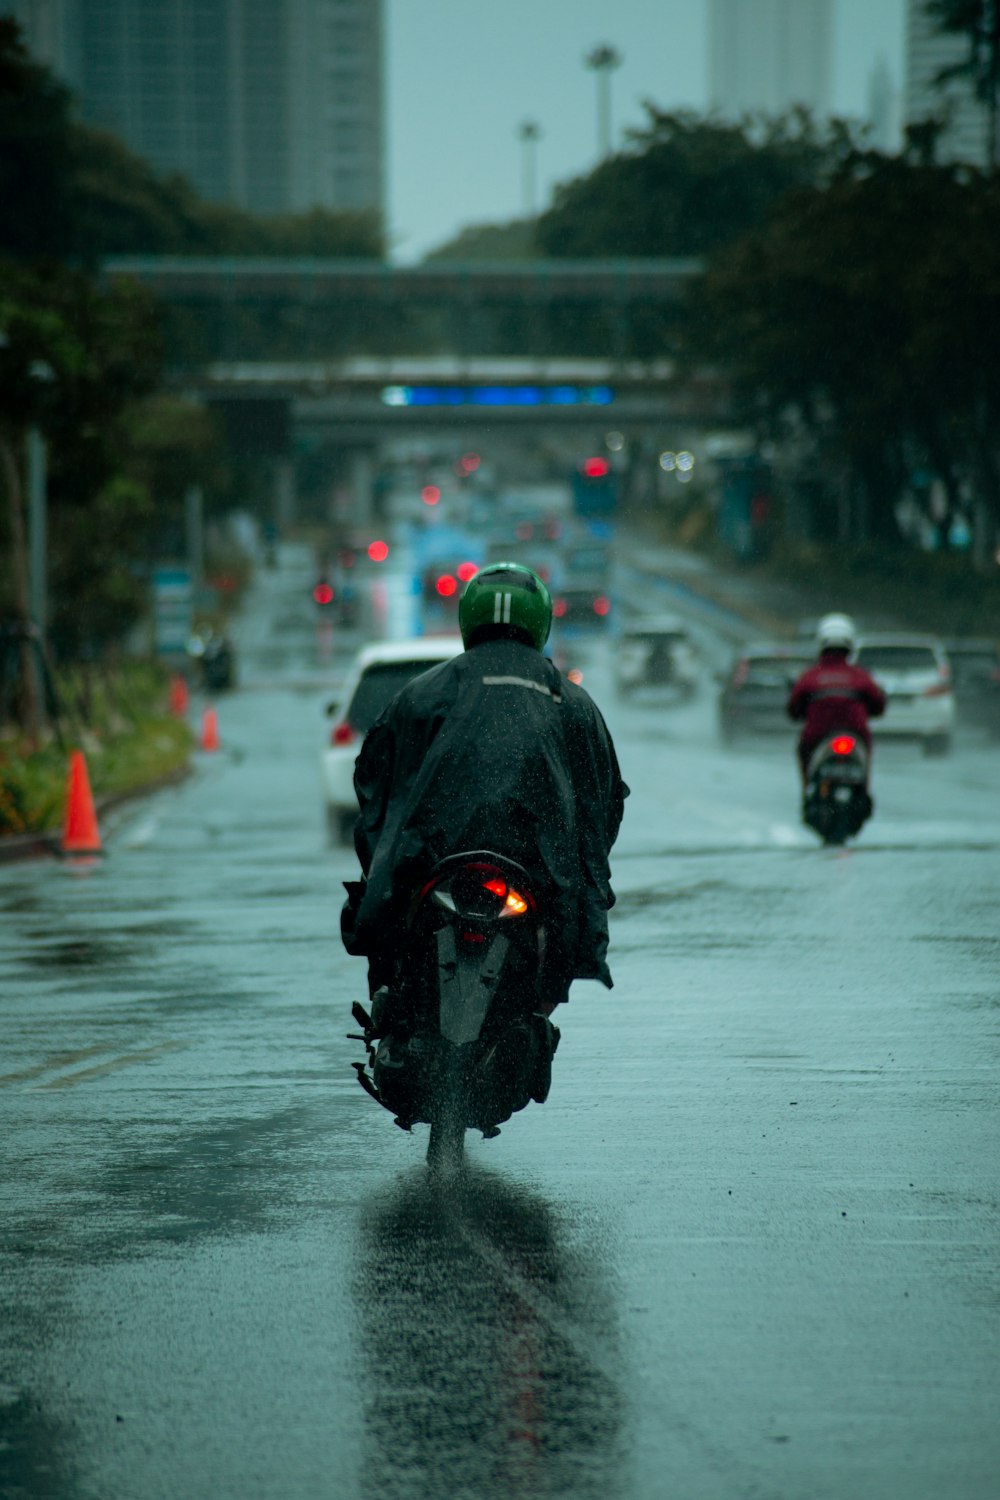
(656, 652)
(215, 656)
(375, 677)
(755, 690)
(975, 671)
(915, 674)
(582, 590)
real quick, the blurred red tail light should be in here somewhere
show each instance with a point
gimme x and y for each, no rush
(343, 734)
(942, 686)
(559, 608)
(602, 606)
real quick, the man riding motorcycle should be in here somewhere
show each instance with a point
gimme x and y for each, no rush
(834, 694)
(495, 750)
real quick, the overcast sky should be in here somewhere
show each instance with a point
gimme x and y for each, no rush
(462, 74)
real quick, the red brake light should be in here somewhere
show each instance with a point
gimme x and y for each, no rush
(430, 494)
(342, 735)
(323, 593)
(466, 571)
(559, 608)
(602, 605)
(446, 585)
(497, 886)
(843, 744)
(378, 551)
(595, 468)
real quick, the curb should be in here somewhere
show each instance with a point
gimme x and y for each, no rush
(18, 846)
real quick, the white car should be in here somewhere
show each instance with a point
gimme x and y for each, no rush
(915, 674)
(656, 652)
(376, 675)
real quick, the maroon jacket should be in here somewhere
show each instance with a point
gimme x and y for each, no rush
(835, 695)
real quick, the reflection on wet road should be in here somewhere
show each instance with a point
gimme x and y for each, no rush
(489, 1351)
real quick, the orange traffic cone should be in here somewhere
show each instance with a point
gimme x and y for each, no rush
(210, 730)
(81, 834)
(179, 697)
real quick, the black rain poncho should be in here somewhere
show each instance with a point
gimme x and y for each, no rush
(491, 750)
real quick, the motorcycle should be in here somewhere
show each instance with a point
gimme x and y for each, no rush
(836, 802)
(458, 1039)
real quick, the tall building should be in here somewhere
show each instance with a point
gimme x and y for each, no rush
(770, 55)
(966, 121)
(883, 108)
(273, 105)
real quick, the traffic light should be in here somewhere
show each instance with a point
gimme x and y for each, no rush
(595, 487)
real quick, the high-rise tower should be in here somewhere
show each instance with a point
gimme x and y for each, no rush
(770, 55)
(274, 105)
(965, 118)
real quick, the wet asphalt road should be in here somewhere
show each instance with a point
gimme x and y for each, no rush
(749, 1248)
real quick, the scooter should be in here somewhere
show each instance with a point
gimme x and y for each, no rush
(458, 1040)
(836, 802)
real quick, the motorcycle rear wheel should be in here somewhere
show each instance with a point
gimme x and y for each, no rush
(446, 1146)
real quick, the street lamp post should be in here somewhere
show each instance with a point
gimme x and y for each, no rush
(529, 133)
(602, 61)
(37, 533)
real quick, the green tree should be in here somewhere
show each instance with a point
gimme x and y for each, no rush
(869, 311)
(686, 185)
(514, 240)
(72, 360)
(979, 22)
(36, 154)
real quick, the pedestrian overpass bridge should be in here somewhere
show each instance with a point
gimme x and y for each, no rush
(362, 397)
(328, 343)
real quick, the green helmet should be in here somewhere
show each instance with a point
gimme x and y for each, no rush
(506, 594)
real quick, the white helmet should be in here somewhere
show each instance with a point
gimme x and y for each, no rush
(836, 631)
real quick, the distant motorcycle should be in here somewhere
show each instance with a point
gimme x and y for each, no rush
(836, 802)
(457, 1040)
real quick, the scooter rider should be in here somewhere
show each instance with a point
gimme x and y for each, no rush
(834, 693)
(495, 750)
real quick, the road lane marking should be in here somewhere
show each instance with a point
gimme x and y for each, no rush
(86, 1074)
(61, 1060)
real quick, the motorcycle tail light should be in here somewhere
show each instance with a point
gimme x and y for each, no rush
(514, 904)
(343, 734)
(843, 744)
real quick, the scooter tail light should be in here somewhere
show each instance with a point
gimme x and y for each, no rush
(843, 744)
(343, 734)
